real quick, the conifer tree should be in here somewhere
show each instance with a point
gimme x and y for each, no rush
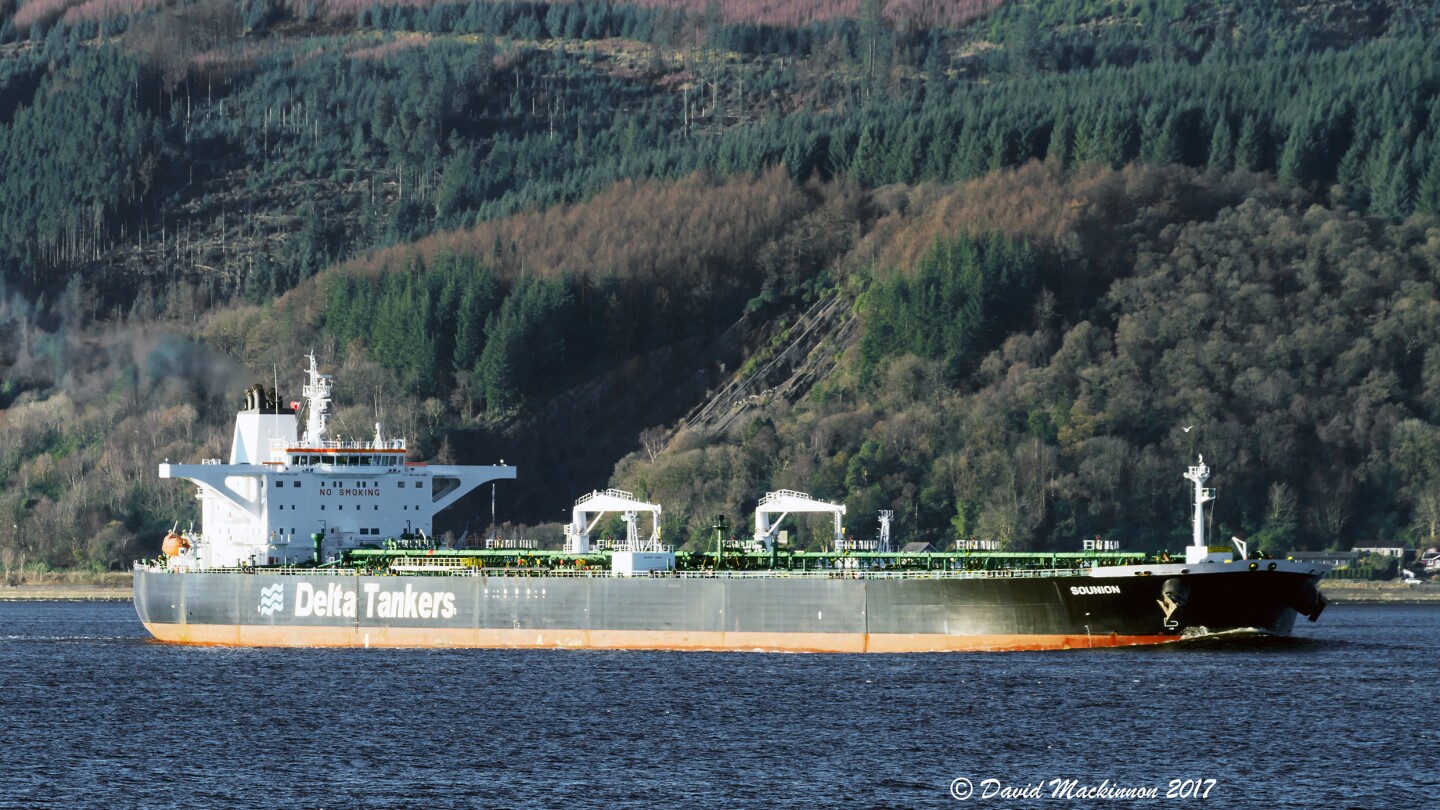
(1251, 146)
(1221, 155)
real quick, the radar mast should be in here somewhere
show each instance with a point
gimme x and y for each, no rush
(317, 404)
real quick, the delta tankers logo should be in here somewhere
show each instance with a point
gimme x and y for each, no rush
(334, 600)
(272, 599)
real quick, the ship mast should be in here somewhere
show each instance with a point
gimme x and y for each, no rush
(1199, 550)
(317, 404)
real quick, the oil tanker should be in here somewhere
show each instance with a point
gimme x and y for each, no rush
(308, 541)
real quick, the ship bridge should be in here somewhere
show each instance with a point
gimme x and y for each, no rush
(281, 500)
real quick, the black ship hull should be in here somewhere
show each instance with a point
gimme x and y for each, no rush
(834, 613)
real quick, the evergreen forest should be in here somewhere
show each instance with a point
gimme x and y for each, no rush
(1004, 268)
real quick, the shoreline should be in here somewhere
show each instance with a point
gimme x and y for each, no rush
(65, 593)
(67, 586)
(1375, 593)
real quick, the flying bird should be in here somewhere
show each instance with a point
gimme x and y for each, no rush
(1188, 429)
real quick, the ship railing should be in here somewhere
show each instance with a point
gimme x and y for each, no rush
(603, 573)
(511, 544)
(785, 493)
(829, 573)
(266, 570)
(863, 573)
(612, 493)
(430, 564)
(338, 444)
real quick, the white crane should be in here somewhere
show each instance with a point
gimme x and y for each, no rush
(785, 501)
(598, 504)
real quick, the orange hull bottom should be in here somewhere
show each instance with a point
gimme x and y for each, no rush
(273, 636)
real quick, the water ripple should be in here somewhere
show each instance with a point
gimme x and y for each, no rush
(95, 715)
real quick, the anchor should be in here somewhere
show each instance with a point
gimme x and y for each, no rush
(1173, 596)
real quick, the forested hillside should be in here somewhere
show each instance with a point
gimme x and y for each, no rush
(978, 263)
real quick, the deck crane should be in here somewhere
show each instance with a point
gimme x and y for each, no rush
(785, 501)
(590, 508)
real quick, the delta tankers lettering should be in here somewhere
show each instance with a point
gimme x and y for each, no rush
(287, 558)
(335, 601)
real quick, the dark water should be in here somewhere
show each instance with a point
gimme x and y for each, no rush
(94, 715)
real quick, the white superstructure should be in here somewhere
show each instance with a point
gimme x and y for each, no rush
(281, 499)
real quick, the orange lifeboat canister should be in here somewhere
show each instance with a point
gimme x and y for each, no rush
(174, 544)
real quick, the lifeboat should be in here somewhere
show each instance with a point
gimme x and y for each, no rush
(175, 544)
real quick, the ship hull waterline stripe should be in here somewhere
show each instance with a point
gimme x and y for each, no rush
(277, 636)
